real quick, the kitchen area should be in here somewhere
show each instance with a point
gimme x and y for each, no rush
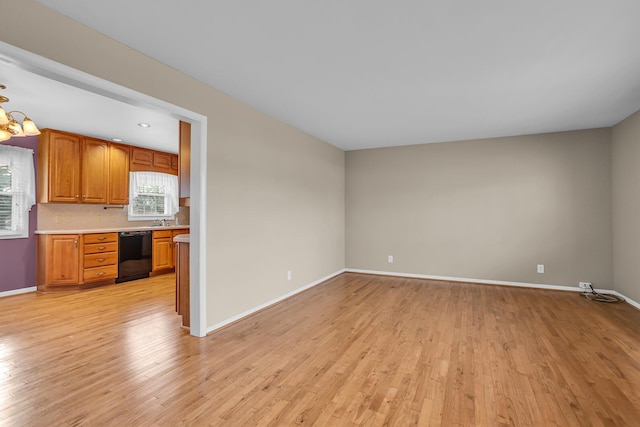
(109, 213)
(83, 231)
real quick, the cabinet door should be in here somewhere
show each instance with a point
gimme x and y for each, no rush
(95, 171)
(162, 162)
(63, 153)
(141, 159)
(162, 254)
(118, 174)
(63, 260)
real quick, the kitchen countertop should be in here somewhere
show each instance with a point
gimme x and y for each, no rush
(114, 229)
(182, 238)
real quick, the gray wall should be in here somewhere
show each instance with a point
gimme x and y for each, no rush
(626, 206)
(486, 209)
(275, 195)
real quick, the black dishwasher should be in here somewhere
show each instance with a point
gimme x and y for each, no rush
(134, 255)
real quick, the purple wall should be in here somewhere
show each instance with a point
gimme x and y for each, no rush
(18, 256)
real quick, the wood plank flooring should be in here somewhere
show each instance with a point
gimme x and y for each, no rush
(357, 350)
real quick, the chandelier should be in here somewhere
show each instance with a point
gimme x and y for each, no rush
(9, 126)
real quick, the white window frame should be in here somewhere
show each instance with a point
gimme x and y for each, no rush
(170, 198)
(20, 163)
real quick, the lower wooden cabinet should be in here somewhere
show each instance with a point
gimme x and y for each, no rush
(58, 260)
(162, 255)
(66, 260)
(100, 257)
(164, 249)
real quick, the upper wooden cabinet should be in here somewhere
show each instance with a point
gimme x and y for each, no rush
(78, 169)
(59, 167)
(141, 158)
(118, 174)
(95, 171)
(162, 161)
(145, 160)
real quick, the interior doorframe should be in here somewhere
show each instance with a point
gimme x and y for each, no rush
(198, 174)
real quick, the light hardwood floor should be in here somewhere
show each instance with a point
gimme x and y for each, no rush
(357, 350)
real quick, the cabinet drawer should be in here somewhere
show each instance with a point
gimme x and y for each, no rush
(101, 238)
(95, 260)
(158, 234)
(100, 273)
(97, 248)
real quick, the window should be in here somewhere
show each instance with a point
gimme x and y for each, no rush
(152, 195)
(17, 191)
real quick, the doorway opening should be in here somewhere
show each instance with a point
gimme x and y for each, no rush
(58, 72)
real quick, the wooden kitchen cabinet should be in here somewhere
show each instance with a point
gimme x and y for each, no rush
(118, 174)
(95, 171)
(75, 260)
(145, 160)
(59, 172)
(58, 258)
(141, 159)
(163, 257)
(100, 257)
(78, 169)
(162, 161)
(174, 163)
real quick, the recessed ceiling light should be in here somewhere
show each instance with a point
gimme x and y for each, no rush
(116, 139)
(144, 125)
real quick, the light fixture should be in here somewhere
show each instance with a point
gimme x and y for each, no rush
(116, 139)
(10, 127)
(144, 125)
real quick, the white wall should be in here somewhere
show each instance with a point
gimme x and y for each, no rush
(275, 195)
(626, 206)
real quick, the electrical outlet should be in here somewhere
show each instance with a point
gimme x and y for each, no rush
(289, 275)
(540, 268)
(390, 259)
(584, 285)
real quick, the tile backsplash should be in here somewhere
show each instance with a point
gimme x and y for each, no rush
(62, 216)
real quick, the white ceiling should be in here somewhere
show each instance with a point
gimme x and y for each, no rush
(52, 104)
(371, 73)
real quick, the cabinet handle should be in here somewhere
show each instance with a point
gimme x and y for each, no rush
(101, 238)
(99, 273)
(75, 242)
(77, 196)
(84, 196)
(100, 259)
(101, 248)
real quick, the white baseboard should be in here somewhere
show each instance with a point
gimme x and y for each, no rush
(629, 300)
(272, 302)
(491, 282)
(18, 291)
